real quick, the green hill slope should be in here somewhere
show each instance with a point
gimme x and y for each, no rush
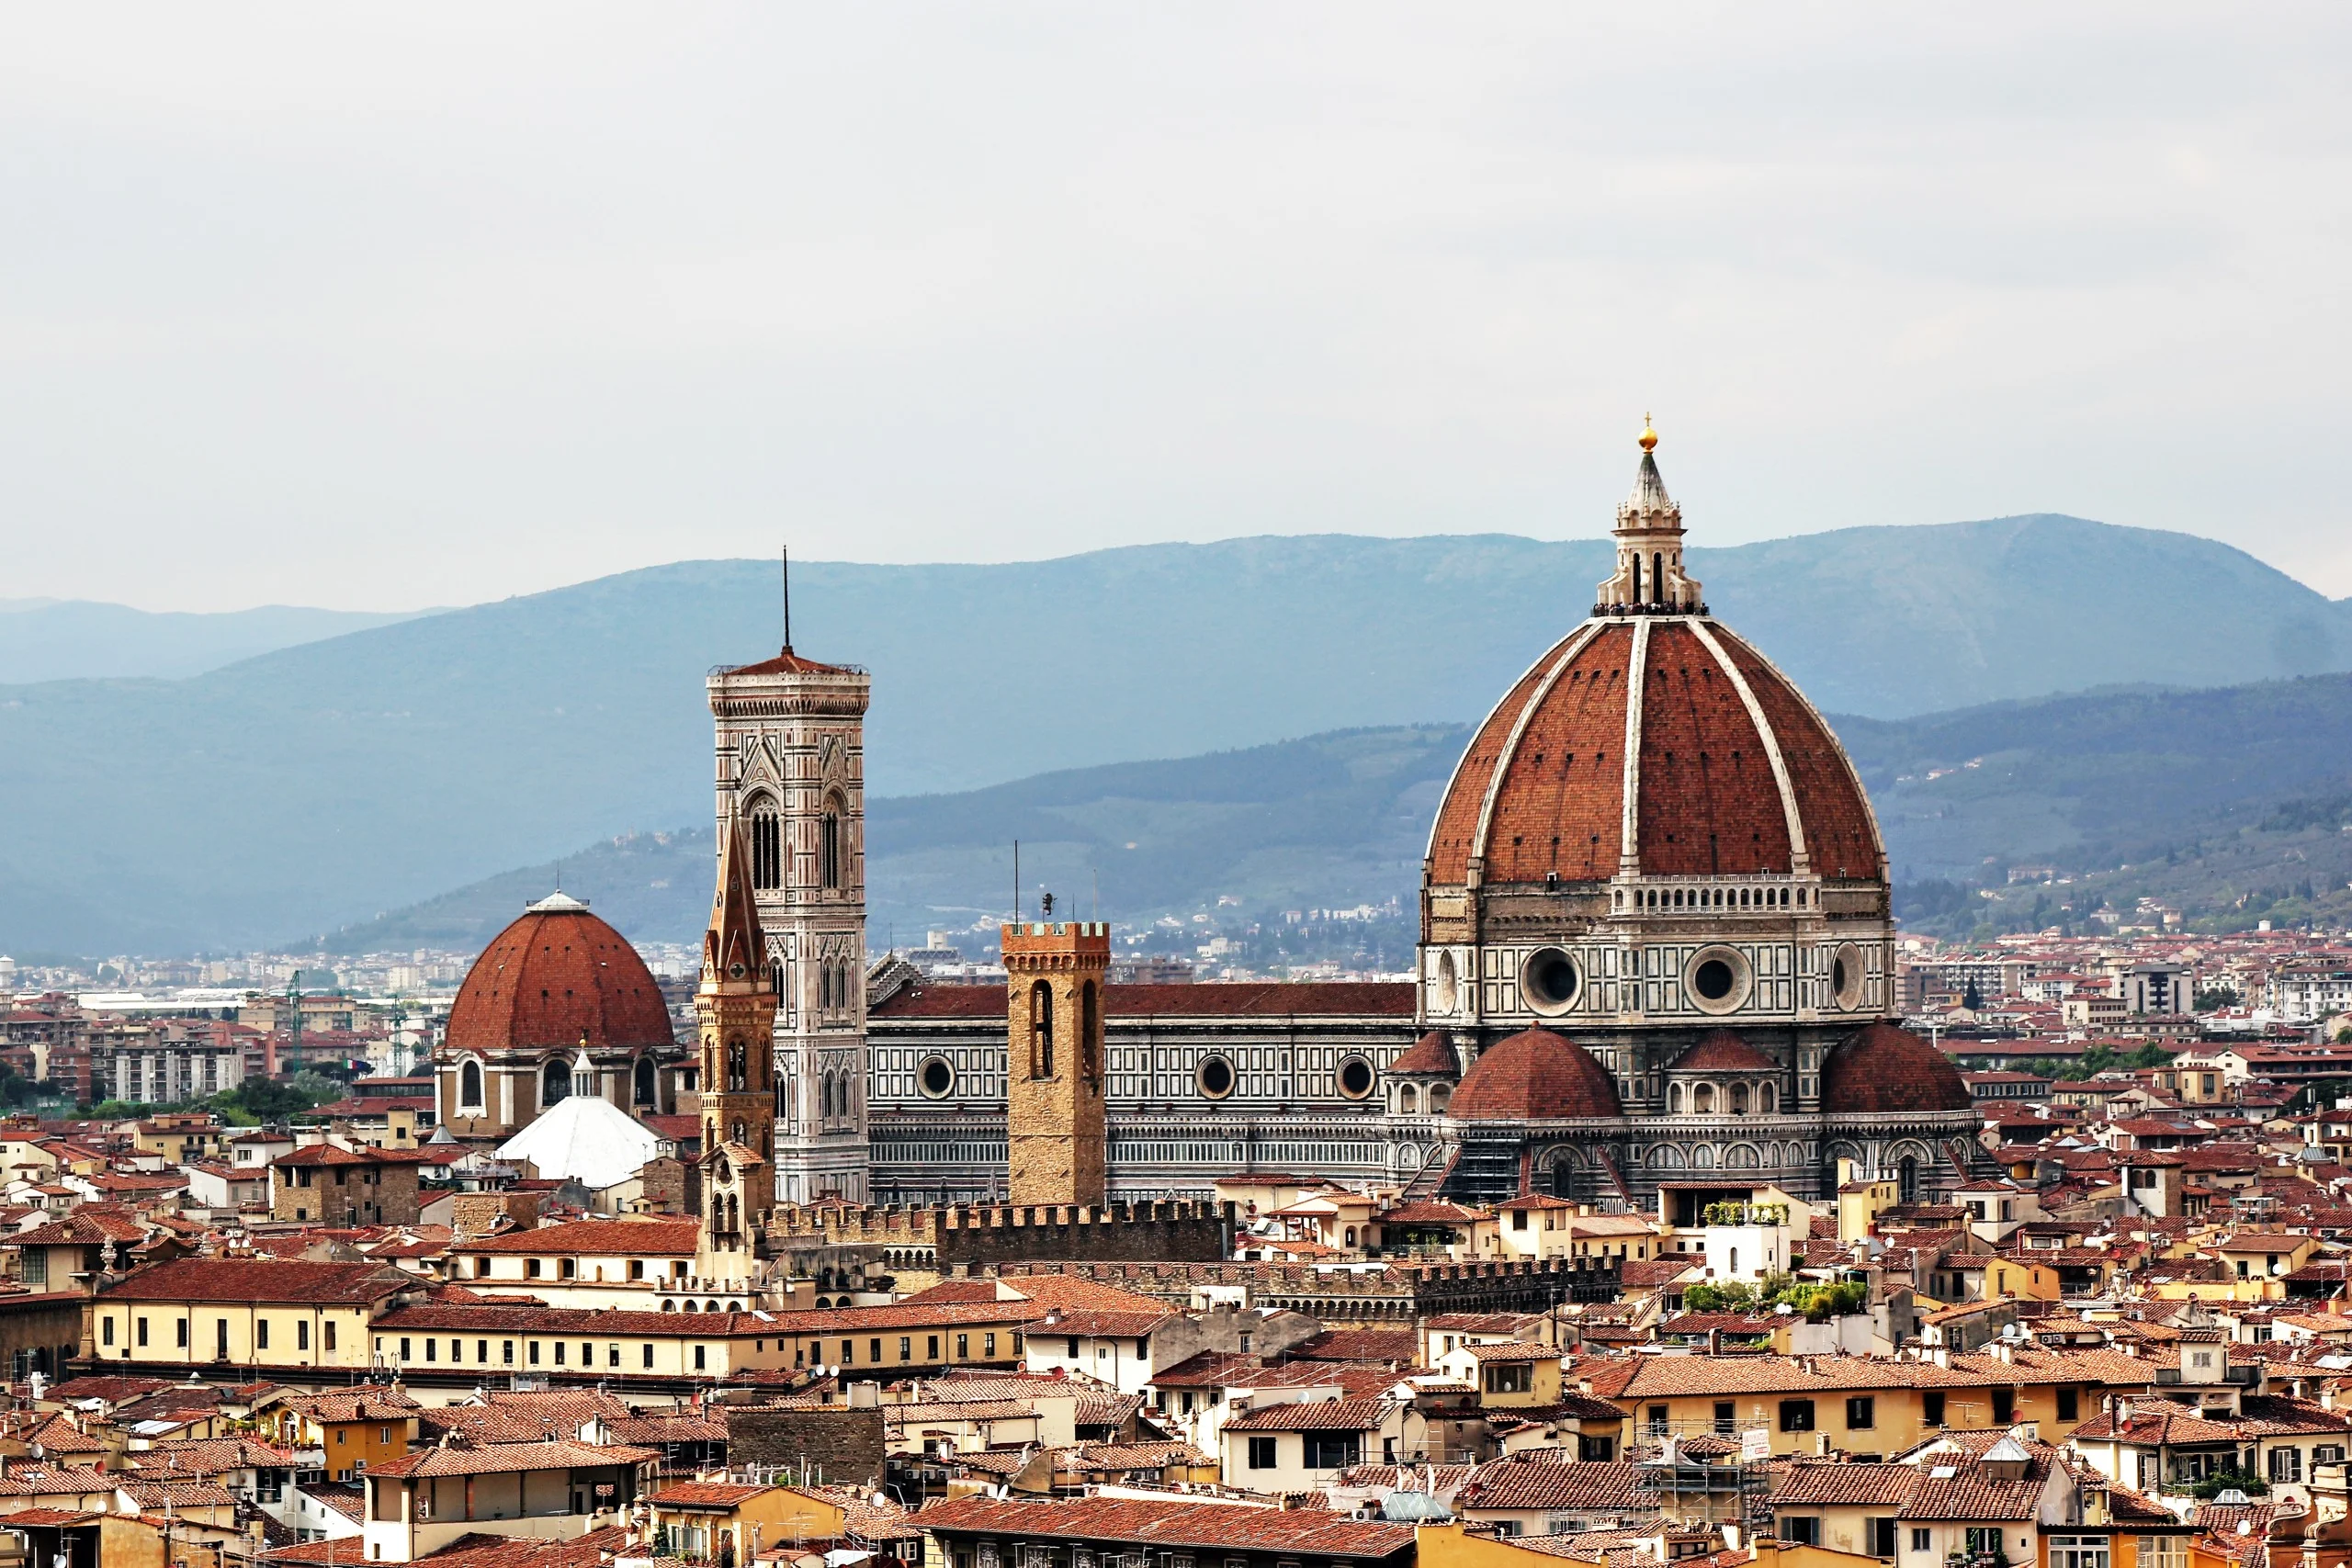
(2231, 806)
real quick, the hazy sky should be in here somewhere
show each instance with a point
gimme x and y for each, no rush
(378, 306)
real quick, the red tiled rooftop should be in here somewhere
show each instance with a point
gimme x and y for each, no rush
(1306, 998)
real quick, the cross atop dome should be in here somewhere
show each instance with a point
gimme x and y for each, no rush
(1649, 579)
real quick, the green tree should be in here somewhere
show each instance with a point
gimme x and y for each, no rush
(1730, 1296)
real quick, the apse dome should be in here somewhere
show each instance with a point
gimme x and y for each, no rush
(1885, 1069)
(559, 976)
(1535, 1076)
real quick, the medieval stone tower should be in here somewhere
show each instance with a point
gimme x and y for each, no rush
(791, 767)
(1054, 1060)
(735, 1009)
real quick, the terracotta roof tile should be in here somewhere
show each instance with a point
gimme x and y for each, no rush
(1534, 1075)
(260, 1279)
(1309, 1416)
(1172, 1524)
(499, 1458)
(1256, 998)
(1569, 1487)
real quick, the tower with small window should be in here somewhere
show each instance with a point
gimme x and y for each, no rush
(735, 1009)
(790, 755)
(1054, 1121)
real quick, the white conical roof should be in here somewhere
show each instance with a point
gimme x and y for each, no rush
(2009, 1449)
(583, 1138)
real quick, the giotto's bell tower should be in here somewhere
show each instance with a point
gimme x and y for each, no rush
(790, 767)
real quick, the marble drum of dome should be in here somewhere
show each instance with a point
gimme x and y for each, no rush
(1654, 855)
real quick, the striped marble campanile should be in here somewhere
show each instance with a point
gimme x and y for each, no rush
(790, 767)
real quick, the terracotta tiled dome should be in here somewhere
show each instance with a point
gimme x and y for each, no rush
(1432, 1056)
(1884, 1068)
(1542, 787)
(555, 976)
(1723, 1052)
(1532, 1077)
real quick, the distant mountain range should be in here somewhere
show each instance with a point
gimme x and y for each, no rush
(1334, 820)
(2233, 804)
(320, 785)
(66, 639)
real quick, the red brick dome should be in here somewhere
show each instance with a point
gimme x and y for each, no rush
(1719, 787)
(1432, 1056)
(1884, 1068)
(1723, 1052)
(555, 976)
(1532, 1076)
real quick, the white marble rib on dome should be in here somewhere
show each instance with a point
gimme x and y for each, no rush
(583, 1138)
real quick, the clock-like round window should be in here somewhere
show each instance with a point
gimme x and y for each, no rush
(1717, 979)
(1846, 976)
(1550, 981)
(1215, 1076)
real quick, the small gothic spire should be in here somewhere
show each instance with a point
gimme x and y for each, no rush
(733, 947)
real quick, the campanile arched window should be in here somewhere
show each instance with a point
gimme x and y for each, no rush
(829, 845)
(767, 844)
(739, 1068)
(1041, 1031)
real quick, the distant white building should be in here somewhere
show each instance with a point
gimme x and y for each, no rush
(2302, 992)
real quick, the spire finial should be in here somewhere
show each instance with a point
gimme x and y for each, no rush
(787, 598)
(1649, 435)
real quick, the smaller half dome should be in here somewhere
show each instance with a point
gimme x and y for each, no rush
(1723, 1052)
(1432, 1056)
(1884, 1068)
(1535, 1076)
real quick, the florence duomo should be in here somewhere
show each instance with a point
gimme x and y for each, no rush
(1656, 950)
(1286, 940)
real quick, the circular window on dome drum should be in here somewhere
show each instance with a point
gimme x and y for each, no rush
(1550, 981)
(1355, 1078)
(1444, 991)
(1846, 978)
(1215, 1076)
(936, 1077)
(1717, 979)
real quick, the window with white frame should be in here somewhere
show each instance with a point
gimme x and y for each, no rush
(2078, 1552)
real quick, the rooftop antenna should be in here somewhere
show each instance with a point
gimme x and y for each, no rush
(787, 598)
(1016, 882)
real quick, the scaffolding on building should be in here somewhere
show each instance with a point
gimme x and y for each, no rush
(1699, 1474)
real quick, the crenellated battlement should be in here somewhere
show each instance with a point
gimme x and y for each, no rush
(965, 1234)
(1402, 1293)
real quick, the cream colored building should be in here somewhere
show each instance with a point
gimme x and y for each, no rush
(228, 1314)
(632, 1264)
